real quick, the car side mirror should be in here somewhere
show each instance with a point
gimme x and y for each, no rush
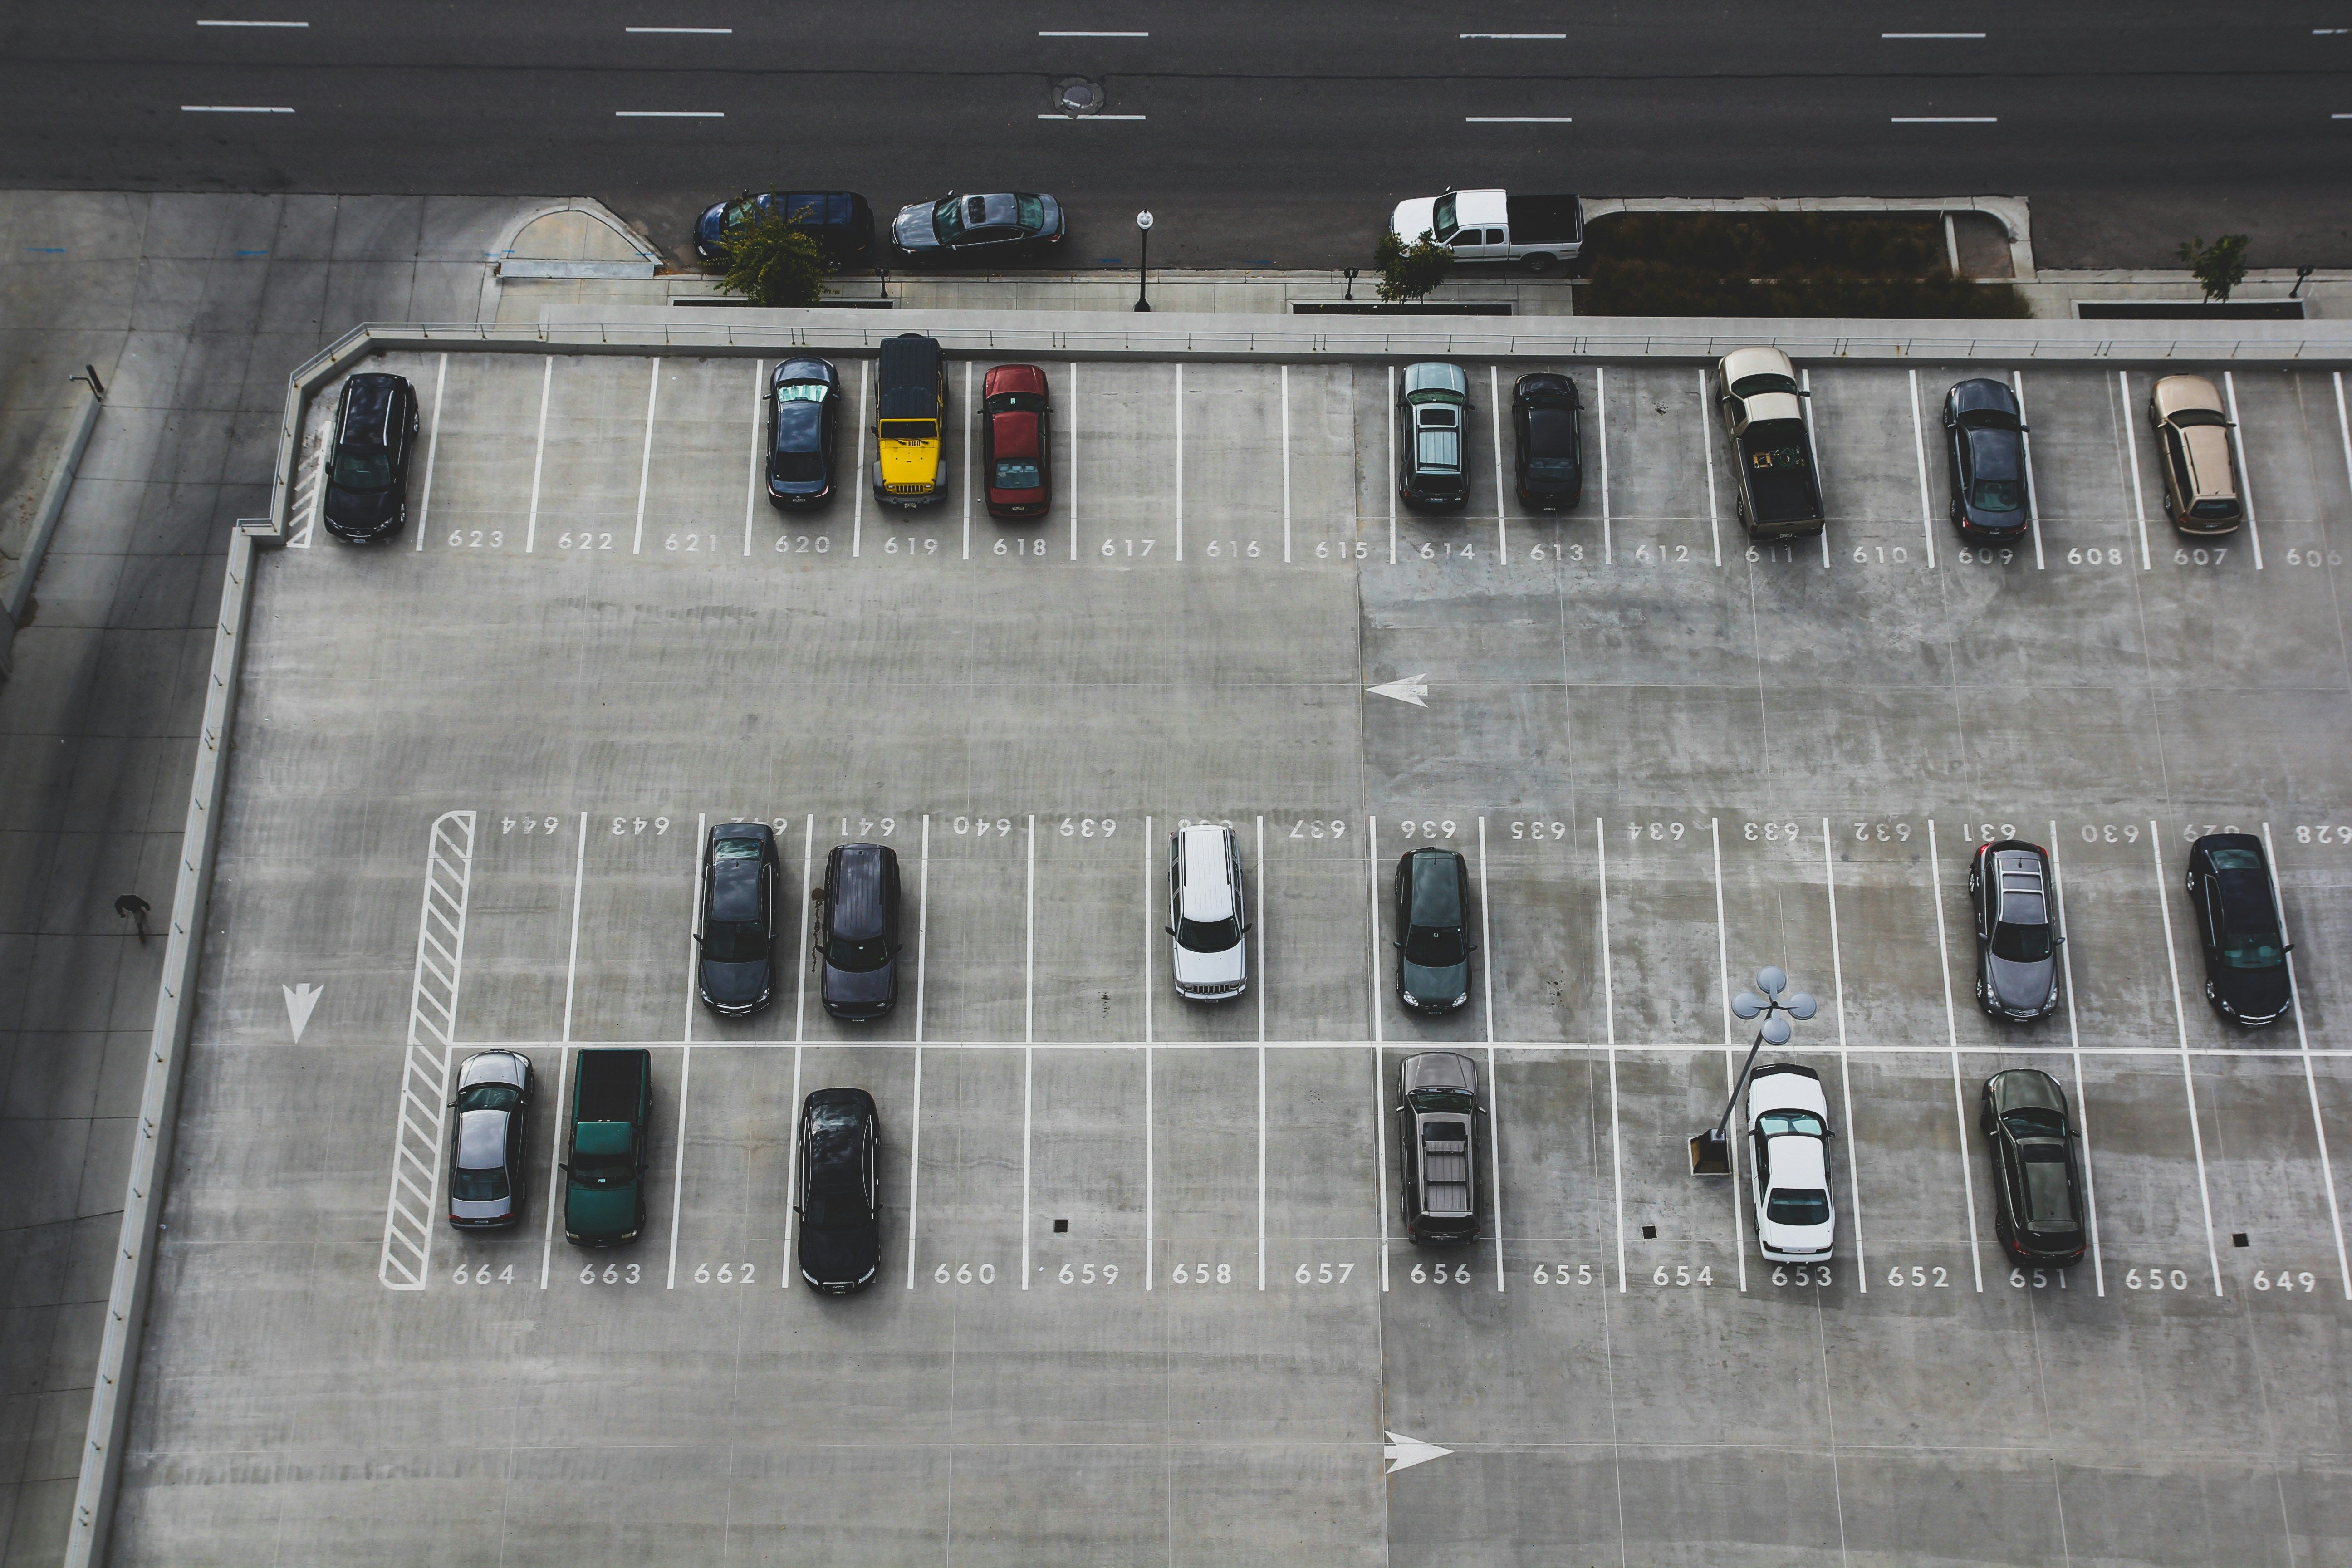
(1169, 930)
(563, 1166)
(1804, 392)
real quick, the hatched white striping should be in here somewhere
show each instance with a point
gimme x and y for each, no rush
(405, 1262)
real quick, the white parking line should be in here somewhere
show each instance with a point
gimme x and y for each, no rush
(678, 1177)
(1072, 438)
(538, 454)
(792, 1177)
(2131, 466)
(1517, 120)
(1028, 1037)
(2074, 1044)
(1256, 908)
(1515, 36)
(1387, 417)
(235, 109)
(433, 444)
(1380, 1094)
(715, 31)
(1150, 935)
(759, 442)
(1944, 119)
(2032, 493)
(686, 1036)
(2303, 1042)
(1730, 1047)
(1179, 459)
(1495, 428)
(1600, 408)
(801, 952)
(1493, 1078)
(572, 964)
(646, 461)
(1952, 1031)
(2245, 478)
(858, 481)
(915, 1150)
(1609, 1012)
(554, 1188)
(1258, 911)
(2180, 1022)
(1285, 473)
(1919, 452)
(670, 114)
(1714, 511)
(1813, 451)
(1846, 1067)
(973, 410)
(1084, 34)
(253, 24)
(2343, 428)
(1931, 34)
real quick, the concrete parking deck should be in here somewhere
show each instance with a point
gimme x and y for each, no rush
(1144, 1296)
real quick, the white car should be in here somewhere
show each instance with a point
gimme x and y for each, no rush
(1206, 913)
(1788, 1131)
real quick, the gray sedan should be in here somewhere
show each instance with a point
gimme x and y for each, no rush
(2016, 930)
(486, 1156)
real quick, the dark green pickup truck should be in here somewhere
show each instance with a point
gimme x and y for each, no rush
(612, 1114)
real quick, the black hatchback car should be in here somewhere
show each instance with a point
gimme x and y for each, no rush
(1433, 906)
(2016, 930)
(858, 931)
(741, 873)
(1548, 419)
(840, 1177)
(1984, 446)
(803, 431)
(367, 469)
(2237, 912)
(2037, 1178)
(840, 221)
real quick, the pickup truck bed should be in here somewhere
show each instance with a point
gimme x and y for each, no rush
(610, 1086)
(1545, 220)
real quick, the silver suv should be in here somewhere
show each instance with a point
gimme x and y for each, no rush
(1207, 914)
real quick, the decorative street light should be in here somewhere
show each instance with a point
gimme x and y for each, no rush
(1710, 1152)
(1143, 227)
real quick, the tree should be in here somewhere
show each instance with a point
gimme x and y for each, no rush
(2220, 267)
(771, 263)
(1411, 271)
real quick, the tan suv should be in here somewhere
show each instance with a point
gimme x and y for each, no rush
(2192, 442)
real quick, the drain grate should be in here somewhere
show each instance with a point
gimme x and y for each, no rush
(1076, 95)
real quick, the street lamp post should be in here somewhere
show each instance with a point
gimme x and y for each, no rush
(1710, 1152)
(1143, 227)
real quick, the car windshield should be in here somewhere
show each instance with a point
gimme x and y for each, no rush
(602, 1170)
(948, 218)
(1997, 495)
(1803, 1123)
(1798, 1205)
(2048, 1199)
(1433, 947)
(803, 392)
(2188, 416)
(490, 1097)
(2214, 509)
(734, 941)
(2033, 1122)
(1441, 218)
(858, 957)
(362, 471)
(1757, 385)
(1444, 1099)
(909, 429)
(2020, 943)
(1033, 213)
(1209, 936)
(1016, 402)
(1017, 474)
(477, 1186)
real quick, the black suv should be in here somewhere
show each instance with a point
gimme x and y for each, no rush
(1433, 905)
(2237, 915)
(367, 468)
(803, 431)
(1547, 420)
(858, 931)
(840, 1205)
(742, 872)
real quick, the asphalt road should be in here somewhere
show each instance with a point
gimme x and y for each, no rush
(1269, 135)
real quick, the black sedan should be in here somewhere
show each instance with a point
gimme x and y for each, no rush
(1547, 418)
(840, 1177)
(2238, 925)
(803, 431)
(858, 931)
(2037, 1179)
(1433, 905)
(367, 469)
(741, 874)
(2016, 930)
(1009, 227)
(485, 1154)
(1984, 446)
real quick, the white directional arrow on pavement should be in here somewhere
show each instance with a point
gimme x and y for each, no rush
(1403, 1453)
(300, 1000)
(1412, 689)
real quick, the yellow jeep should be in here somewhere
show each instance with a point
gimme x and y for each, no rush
(910, 465)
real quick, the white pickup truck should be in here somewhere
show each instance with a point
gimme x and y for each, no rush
(1542, 232)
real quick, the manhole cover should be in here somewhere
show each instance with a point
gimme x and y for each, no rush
(1078, 96)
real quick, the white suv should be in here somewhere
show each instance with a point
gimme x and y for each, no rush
(1206, 913)
(1788, 1129)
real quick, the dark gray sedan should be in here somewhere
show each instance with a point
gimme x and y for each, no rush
(486, 1155)
(803, 431)
(742, 871)
(2038, 1202)
(1010, 226)
(1984, 439)
(2016, 930)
